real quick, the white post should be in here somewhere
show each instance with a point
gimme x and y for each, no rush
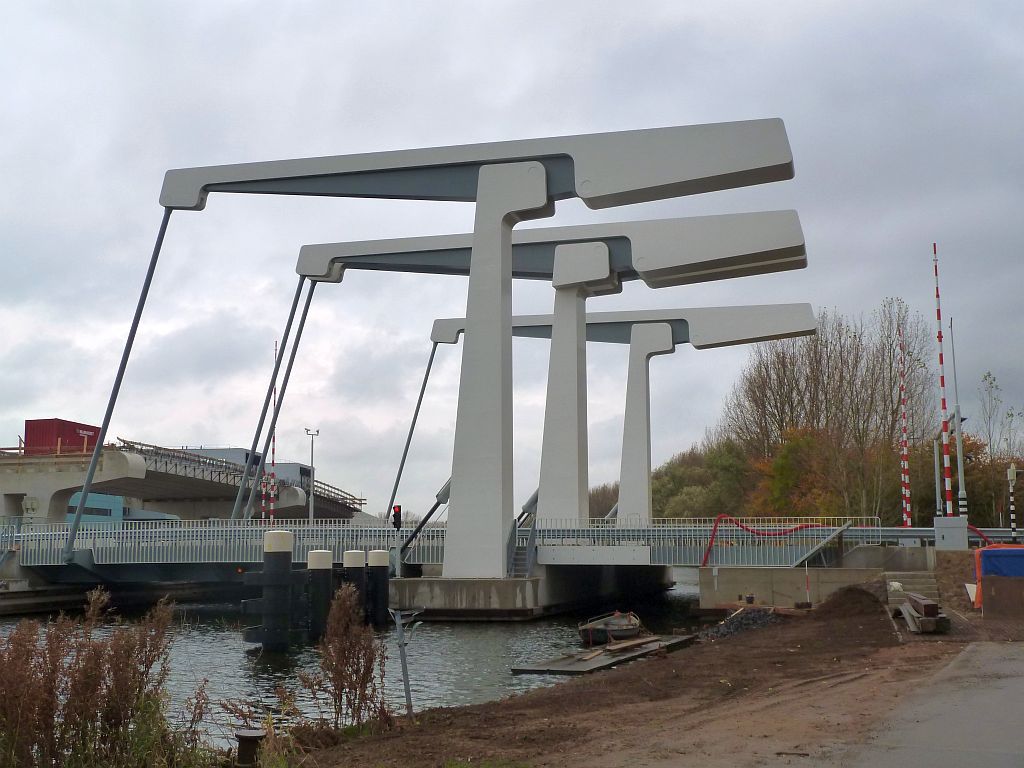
(580, 270)
(646, 340)
(1011, 476)
(480, 513)
(312, 472)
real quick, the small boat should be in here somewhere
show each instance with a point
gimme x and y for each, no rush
(608, 627)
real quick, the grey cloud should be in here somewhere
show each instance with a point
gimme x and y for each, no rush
(904, 120)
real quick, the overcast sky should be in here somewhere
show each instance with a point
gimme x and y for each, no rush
(905, 121)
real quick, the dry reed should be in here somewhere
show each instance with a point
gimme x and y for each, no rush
(81, 693)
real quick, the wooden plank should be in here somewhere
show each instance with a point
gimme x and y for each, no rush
(621, 644)
(911, 617)
(591, 661)
(923, 605)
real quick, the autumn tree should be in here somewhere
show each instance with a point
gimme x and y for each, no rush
(840, 388)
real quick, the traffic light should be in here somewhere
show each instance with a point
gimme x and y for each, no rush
(396, 516)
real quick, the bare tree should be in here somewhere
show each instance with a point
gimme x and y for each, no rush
(842, 385)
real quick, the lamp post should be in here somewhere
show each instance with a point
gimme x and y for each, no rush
(312, 472)
(1011, 476)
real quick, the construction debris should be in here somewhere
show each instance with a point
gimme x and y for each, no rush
(739, 621)
(922, 615)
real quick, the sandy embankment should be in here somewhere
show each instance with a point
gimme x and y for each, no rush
(802, 689)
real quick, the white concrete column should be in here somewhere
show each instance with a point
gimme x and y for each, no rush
(580, 270)
(480, 512)
(645, 341)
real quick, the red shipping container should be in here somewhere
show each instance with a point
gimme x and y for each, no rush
(51, 436)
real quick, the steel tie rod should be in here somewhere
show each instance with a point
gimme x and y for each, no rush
(251, 458)
(412, 427)
(67, 554)
(284, 388)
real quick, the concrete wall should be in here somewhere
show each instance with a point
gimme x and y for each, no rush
(469, 598)
(554, 588)
(891, 558)
(783, 587)
(43, 485)
(291, 506)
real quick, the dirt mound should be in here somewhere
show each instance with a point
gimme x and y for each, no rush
(952, 571)
(611, 711)
(849, 601)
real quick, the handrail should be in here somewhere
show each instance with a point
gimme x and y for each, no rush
(333, 492)
(510, 550)
(422, 523)
(179, 455)
(531, 548)
(173, 454)
(822, 544)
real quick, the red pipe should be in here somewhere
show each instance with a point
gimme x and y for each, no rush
(742, 527)
(977, 532)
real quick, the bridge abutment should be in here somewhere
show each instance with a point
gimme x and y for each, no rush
(553, 589)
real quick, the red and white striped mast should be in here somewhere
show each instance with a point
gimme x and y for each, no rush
(947, 472)
(904, 445)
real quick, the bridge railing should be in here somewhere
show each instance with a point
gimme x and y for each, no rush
(9, 529)
(735, 541)
(726, 541)
(214, 541)
(186, 463)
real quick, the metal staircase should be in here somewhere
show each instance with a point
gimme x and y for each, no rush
(523, 555)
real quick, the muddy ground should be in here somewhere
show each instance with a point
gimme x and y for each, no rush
(797, 692)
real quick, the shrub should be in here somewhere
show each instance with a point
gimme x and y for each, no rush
(80, 694)
(352, 665)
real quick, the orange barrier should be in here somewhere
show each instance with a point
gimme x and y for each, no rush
(977, 566)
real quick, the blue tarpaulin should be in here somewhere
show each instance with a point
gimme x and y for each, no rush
(1002, 561)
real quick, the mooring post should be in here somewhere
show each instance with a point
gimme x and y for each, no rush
(353, 563)
(377, 578)
(276, 578)
(320, 563)
(249, 740)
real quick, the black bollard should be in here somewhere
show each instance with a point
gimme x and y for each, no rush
(377, 587)
(353, 562)
(276, 605)
(249, 741)
(277, 589)
(320, 563)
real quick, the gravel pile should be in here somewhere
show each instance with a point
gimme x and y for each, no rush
(748, 618)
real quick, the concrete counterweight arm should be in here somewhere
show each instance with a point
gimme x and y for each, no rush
(602, 169)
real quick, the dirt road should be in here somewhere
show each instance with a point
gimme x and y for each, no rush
(792, 693)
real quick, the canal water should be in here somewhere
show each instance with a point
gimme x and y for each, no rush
(450, 663)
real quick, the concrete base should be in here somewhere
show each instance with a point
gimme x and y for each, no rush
(554, 589)
(783, 587)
